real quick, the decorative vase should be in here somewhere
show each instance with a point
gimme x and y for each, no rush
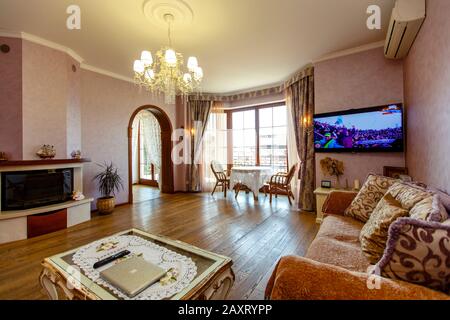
(106, 205)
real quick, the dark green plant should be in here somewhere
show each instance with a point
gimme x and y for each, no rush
(109, 180)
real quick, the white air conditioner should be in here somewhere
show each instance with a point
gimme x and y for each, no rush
(406, 20)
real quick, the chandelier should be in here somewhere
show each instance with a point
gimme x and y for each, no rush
(165, 74)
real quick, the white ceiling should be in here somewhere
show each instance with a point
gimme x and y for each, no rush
(240, 44)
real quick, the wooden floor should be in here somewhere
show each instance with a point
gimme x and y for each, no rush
(143, 193)
(255, 236)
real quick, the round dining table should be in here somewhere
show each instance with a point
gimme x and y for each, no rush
(253, 178)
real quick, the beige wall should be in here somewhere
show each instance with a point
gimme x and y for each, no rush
(427, 94)
(11, 99)
(359, 80)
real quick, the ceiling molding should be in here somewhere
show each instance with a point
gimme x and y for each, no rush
(52, 45)
(61, 48)
(43, 42)
(88, 67)
(77, 57)
(351, 51)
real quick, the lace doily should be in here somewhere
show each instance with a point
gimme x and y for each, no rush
(181, 269)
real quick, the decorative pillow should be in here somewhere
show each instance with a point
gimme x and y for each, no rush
(418, 252)
(408, 194)
(429, 209)
(374, 234)
(445, 198)
(368, 197)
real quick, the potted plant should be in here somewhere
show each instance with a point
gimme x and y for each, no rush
(109, 182)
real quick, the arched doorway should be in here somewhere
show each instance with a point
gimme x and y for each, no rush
(167, 184)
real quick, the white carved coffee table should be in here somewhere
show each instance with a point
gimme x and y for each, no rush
(61, 279)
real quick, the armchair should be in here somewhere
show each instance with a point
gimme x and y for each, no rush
(280, 183)
(221, 178)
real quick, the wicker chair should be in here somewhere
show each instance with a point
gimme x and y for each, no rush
(221, 178)
(281, 182)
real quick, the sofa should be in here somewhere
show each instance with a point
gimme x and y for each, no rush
(336, 268)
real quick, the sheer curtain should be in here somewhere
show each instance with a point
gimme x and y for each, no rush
(135, 150)
(151, 136)
(214, 146)
(293, 153)
(198, 113)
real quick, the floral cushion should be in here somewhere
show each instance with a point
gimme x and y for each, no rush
(418, 252)
(374, 234)
(368, 197)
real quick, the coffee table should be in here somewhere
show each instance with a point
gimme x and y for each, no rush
(213, 281)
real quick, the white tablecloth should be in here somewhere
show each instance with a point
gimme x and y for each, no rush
(253, 177)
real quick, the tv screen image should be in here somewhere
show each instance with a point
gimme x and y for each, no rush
(371, 129)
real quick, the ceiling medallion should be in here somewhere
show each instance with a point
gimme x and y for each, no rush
(165, 74)
(156, 10)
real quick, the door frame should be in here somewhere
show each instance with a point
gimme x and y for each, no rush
(167, 182)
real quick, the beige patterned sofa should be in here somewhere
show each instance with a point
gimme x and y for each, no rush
(415, 263)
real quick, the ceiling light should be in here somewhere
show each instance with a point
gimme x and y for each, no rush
(164, 74)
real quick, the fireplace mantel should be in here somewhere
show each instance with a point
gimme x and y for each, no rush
(16, 163)
(14, 224)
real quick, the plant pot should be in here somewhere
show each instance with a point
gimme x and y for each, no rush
(106, 205)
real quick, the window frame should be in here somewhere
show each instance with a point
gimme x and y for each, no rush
(257, 108)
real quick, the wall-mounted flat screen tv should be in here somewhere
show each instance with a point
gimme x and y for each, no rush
(377, 129)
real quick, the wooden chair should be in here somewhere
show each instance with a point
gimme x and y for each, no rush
(281, 182)
(221, 178)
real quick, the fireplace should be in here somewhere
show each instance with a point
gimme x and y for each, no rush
(31, 189)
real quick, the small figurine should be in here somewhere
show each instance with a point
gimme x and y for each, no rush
(46, 152)
(76, 154)
(77, 196)
(3, 156)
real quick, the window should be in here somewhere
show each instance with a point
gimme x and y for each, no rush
(214, 147)
(273, 138)
(260, 136)
(244, 138)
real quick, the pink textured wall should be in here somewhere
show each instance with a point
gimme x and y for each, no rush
(49, 100)
(180, 122)
(427, 94)
(106, 108)
(11, 99)
(359, 80)
(73, 112)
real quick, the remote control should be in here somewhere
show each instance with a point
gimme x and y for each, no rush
(110, 259)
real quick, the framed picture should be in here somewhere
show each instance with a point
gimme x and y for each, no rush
(395, 172)
(326, 184)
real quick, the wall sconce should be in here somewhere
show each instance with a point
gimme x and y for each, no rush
(306, 122)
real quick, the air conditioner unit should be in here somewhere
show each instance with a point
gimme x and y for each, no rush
(406, 21)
